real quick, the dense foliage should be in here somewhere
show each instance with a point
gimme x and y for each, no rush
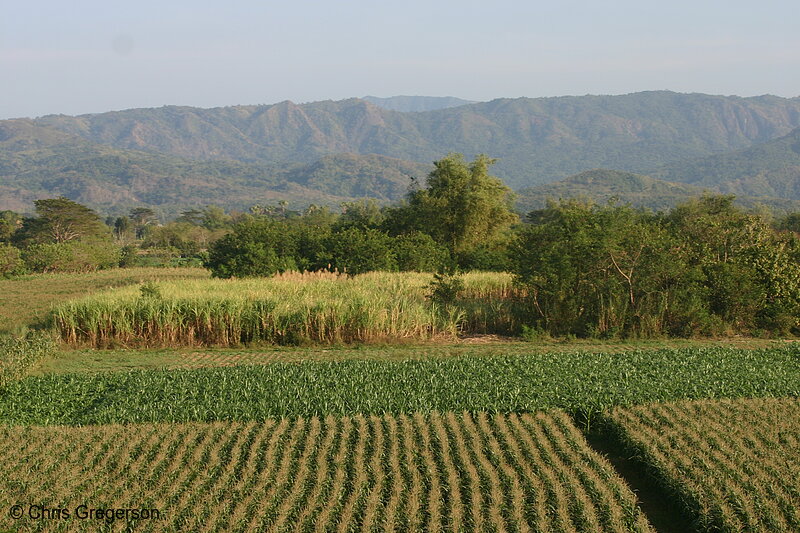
(704, 268)
(64, 237)
(464, 216)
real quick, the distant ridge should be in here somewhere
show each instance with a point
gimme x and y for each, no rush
(39, 162)
(603, 185)
(417, 103)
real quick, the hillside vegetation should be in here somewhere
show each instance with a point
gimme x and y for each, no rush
(37, 162)
(329, 152)
(537, 140)
(768, 169)
(603, 185)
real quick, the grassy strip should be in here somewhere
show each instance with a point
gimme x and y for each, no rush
(69, 361)
(28, 299)
(732, 465)
(573, 381)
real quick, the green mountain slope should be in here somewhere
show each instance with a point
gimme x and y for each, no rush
(37, 161)
(768, 169)
(601, 186)
(537, 140)
(371, 176)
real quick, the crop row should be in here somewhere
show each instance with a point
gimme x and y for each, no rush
(454, 472)
(735, 465)
(287, 309)
(18, 353)
(577, 382)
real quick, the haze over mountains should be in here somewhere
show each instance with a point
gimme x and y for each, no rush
(327, 152)
(417, 103)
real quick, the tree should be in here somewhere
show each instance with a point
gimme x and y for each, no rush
(418, 252)
(256, 247)
(356, 251)
(750, 272)
(123, 229)
(142, 217)
(73, 256)
(211, 217)
(462, 206)
(360, 214)
(790, 222)
(10, 222)
(61, 220)
(597, 270)
(11, 263)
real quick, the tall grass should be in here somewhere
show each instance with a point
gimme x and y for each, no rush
(287, 309)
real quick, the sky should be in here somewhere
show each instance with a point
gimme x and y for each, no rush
(95, 56)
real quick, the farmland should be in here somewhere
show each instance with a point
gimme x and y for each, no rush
(578, 382)
(28, 299)
(358, 403)
(735, 464)
(529, 472)
(288, 309)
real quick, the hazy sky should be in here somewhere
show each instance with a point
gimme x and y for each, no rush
(93, 56)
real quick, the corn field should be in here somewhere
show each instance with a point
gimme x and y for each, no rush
(287, 309)
(734, 464)
(435, 472)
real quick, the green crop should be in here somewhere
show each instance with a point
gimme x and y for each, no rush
(435, 472)
(17, 354)
(733, 465)
(577, 382)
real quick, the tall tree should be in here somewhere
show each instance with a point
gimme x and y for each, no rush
(61, 220)
(463, 205)
(141, 218)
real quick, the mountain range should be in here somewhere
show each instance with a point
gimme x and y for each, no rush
(332, 151)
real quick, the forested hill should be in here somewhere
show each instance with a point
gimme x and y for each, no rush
(40, 162)
(769, 169)
(602, 185)
(536, 140)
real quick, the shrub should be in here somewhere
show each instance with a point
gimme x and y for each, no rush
(356, 251)
(11, 263)
(73, 256)
(418, 252)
